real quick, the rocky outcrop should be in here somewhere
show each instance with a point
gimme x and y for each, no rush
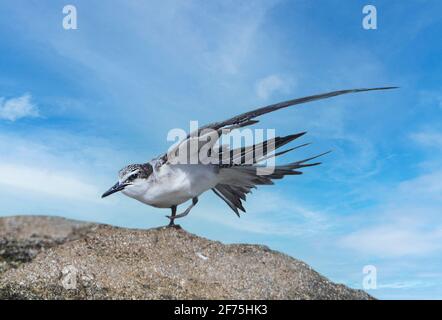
(55, 258)
(23, 237)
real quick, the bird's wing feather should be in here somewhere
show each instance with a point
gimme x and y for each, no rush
(246, 119)
(237, 181)
(273, 107)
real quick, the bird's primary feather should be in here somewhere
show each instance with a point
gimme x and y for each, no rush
(247, 119)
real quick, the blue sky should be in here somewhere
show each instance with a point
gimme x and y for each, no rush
(77, 105)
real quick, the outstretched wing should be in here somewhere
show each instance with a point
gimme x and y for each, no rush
(209, 138)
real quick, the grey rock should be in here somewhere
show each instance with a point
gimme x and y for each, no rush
(63, 259)
(23, 237)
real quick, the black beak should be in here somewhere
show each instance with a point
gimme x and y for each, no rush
(115, 188)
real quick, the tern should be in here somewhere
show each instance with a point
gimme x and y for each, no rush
(164, 182)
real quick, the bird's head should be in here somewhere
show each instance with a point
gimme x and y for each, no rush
(132, 180)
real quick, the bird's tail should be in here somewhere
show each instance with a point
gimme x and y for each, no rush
(237, 180)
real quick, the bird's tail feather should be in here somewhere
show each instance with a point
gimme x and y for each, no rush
(258, 152)
(237, 181)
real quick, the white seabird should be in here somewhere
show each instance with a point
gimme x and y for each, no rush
(167, 181)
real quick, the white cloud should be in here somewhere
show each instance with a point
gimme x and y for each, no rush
(53, 172)
(426, 186)
(403, 285)
(408, 222)
(270, 85)
(237, 37)
(55, 164)
(44, 180)
(428, 139)
(394, 240)
(269, 213)
(17, 108)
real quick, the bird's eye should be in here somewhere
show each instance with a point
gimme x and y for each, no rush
(132, 177)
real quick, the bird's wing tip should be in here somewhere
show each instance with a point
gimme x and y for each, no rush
(378, 88)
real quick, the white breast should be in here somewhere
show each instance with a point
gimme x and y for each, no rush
(176, 184)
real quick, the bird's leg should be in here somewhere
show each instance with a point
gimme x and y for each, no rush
(186, 212)
(172, 216)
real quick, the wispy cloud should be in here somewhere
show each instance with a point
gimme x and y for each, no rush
(56, 183)
(394, 240)
(426, 186)
(56, 164)
(273, 214)
(408, 221)
(403, 285)
(428, 139)
(16, 108)
(54, 172)
(272, 84)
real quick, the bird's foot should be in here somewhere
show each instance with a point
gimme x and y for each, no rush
(172, 223)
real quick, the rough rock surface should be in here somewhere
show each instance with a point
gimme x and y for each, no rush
(55, 258)
(23, 237)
